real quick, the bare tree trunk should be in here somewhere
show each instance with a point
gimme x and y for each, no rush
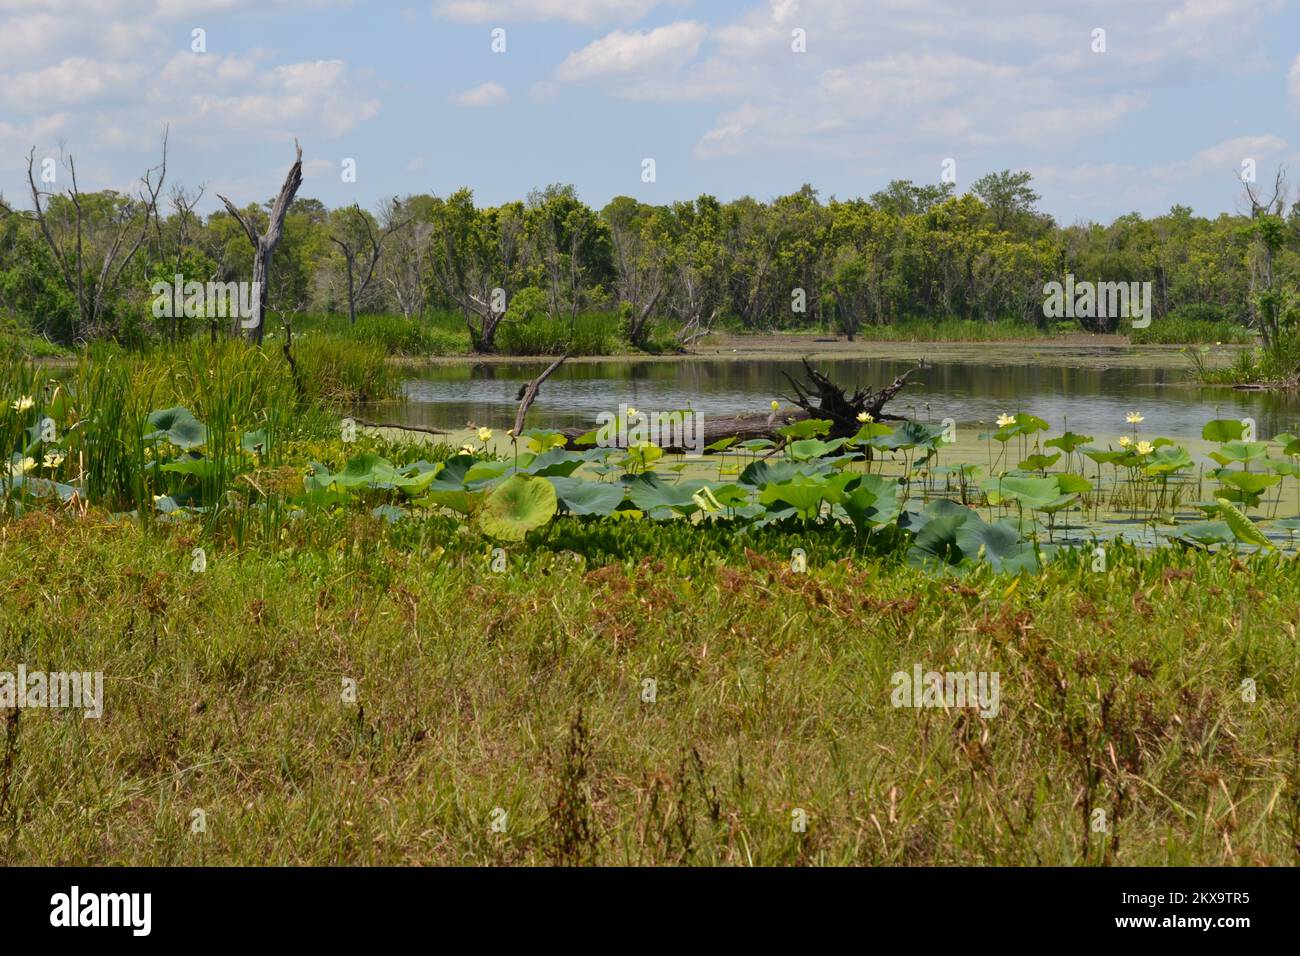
(264, 245)
(529, 393)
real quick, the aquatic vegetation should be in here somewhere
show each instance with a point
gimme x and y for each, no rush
(102, 442)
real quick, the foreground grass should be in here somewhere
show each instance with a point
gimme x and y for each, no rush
(524, 691)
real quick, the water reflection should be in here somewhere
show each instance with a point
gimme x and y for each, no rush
(1090, 399)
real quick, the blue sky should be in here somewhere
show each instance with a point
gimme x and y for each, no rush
(713, 92)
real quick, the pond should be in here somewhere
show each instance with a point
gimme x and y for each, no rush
(1087, 390)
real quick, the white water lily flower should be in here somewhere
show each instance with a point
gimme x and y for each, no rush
(24, 402)
(467, 449)
(53, 459)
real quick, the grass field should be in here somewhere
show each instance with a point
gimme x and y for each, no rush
(524, 691)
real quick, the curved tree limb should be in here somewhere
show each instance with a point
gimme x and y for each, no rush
(530, 393)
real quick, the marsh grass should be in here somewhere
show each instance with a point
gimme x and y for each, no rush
(587, 333)
(436, 333)
(953, 330)
(1181, 330)
(522, 690)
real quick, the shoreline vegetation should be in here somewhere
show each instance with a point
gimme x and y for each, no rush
(408, 342)
(441, 276)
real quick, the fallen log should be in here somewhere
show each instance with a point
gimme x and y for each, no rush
(409, 428)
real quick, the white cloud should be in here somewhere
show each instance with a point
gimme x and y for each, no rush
(574, 11)
(16, 140)
(309, 95)
(73, 81)
(29, 36)
(489, 94)
(211, 93)
(622, 53)
(1121, 186)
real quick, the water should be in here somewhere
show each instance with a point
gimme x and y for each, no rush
(1084, 389)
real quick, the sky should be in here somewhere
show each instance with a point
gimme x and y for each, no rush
(1114, 106)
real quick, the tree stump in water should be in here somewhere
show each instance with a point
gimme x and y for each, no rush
(831, 403)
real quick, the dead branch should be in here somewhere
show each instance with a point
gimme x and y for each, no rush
(530, 393)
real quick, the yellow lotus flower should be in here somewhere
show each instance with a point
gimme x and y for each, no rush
(631, 413)
(776, 406)
(467, 449)
(25, 402)
(864, 417)
(53, 459)
(19, 468)
(1125, 441)
(1005, 420)
(1134, 418)
(1145, 448)
(485, 434)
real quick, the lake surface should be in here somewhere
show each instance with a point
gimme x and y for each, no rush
(1091, 389)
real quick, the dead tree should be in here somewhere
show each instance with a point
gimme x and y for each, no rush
(831, 403)
(843, 410)
(406, 264)
(187, 221)
(352, 249)
(264, 245)
(1267, 237)
(128, 233)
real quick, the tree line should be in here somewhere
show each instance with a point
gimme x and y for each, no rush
(79, 266)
